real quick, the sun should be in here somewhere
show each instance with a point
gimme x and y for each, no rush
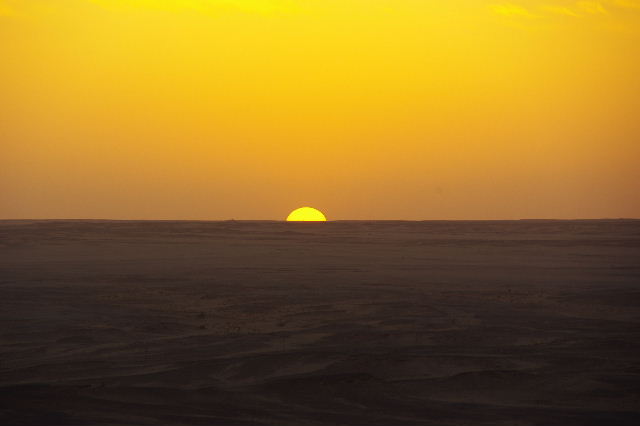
(306, 214)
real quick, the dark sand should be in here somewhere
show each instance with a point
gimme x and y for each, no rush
(344, 323)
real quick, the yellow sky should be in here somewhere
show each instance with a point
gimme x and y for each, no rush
(365, 109)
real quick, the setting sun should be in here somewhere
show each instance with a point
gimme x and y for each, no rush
(306, 214)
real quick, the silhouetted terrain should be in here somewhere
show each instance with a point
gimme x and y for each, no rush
(339, 323)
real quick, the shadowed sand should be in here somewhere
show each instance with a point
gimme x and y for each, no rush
(349, 323)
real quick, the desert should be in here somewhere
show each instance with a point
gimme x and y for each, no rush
(346, 322)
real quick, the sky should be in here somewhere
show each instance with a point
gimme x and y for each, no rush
(364, 109)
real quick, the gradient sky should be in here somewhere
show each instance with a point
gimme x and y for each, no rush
(364, 109)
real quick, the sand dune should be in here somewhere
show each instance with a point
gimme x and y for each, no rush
(349, 323)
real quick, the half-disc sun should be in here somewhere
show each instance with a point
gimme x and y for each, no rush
(306, 214)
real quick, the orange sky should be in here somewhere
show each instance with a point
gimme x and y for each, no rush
(386, 109)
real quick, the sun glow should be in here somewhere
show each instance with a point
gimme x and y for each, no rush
(384, 109)
(201, 6)
(306, 214)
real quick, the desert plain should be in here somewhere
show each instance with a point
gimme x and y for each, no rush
(336, 323)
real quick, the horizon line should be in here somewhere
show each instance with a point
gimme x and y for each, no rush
(328, 220)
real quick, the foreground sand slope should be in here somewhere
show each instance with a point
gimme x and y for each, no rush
(351, 323)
